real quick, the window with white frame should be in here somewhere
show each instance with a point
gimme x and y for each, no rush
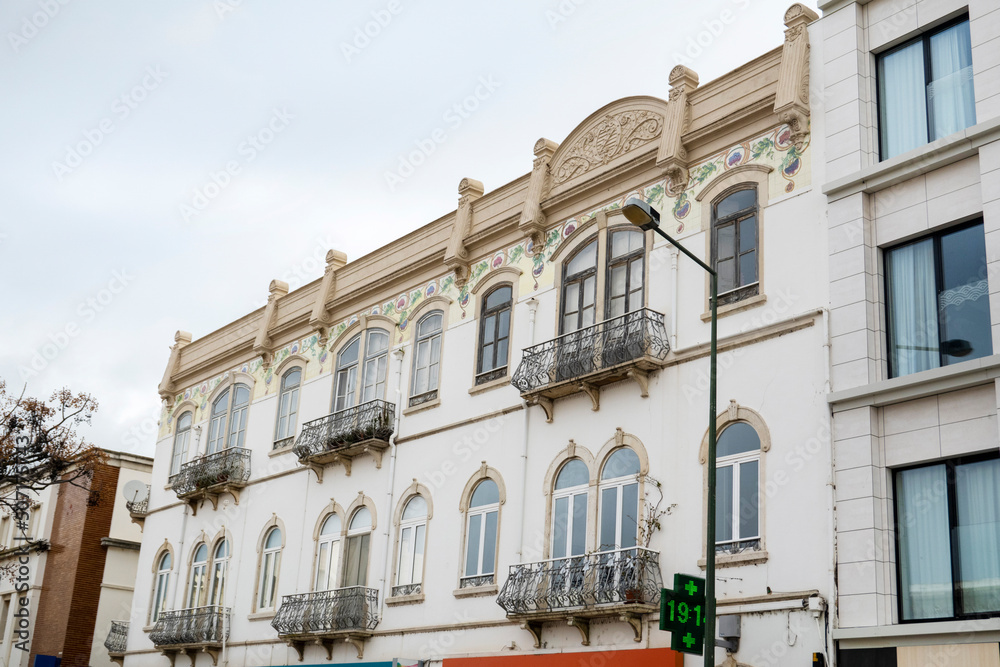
(925, 89)
(182, 441)
(412, 538)
(229, 408)
(374, 370)
(328, 554)
(267, 588)
(481, 525)
(579, 290)
(626, 272)
(288, 407)
(220, 567)
(619, 501)
(737, 508)
(198, 590)
(494, 334)
(161, 585)
(948, 539)
(569, 510)
(427, 358)
(358, 547)
(937, 301)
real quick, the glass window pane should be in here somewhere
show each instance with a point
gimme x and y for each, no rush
(429, 324)
(378, 342)
(617, 280)
(635, 274)
(560, 527)
(165, 562)
(589, 291)
(727, 275)
(331, 526)
(736, 202)
(362, 519)
(473, 544)
(749, 499)
(486, 361)
(924, 543)
(503, 326)
(489, 328)
(737, 438)
(574, 473)
(950, 93)
(501, 356)
(725, 242)
(748, 234)
(902, 101)
(623, 462)
(609, 519)
(630, 514)
(415, 509)
(490, 543)
(616, 307)
(578, 545)
(964, 302)
(273, 539)
(724, 504)
(912, 308)
(498, 297)
(977, 494)
(587, 317)
(748, 268)
(572, 301)
(291, 379)
(405, 573)
(221, 403)
(486, 493)
(184, 422)
(583, 260)
(322, 563)
(418, 555)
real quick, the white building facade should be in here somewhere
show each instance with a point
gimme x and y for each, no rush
(485, 442)
(910, 98)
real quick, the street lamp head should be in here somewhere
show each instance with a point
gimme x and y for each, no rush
(641, 214)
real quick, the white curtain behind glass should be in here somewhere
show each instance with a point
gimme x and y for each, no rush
(912, 307)
(902, 105)
(924, 551)
(950, 93)
(978, 497)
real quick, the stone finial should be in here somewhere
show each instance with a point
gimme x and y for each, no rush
(545, 148)
(182, 338)
(166, 387)
(799, 14)
(277, 289)
(335, 259)
(683, 76)
(471, 188)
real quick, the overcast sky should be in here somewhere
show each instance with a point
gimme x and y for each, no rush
(164, 160)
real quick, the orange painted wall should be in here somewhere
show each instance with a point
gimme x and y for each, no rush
(653, 657)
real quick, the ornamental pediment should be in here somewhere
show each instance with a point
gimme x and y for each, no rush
(607, 138)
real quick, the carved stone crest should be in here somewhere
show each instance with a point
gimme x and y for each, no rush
(614, 135)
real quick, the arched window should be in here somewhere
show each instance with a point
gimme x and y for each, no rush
(569, 510)
(270, 566)
(328, 554)
(626, 272)
(412, 538)
(199, 575)
(481, 535)
(376, 365)
(229, 408)
(734, 244)
(619, 501)
(288, 406)
(161, 585)
(737, 513)
(220, 565)
(347, 375)
(494, 334)
(427, 358)
(374, 370)
(182, 440)
(579, 298)
(359, 535)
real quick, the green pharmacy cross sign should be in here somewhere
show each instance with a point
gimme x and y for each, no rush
(682, 611)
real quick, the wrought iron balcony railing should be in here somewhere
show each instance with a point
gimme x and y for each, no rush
(588, 582)
(636, 339)
(340, 611)
(187, 627)
(338, 432)
(115, 641)
(230, 467)
(138, 507)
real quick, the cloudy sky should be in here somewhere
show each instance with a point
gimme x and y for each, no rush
(164, 160)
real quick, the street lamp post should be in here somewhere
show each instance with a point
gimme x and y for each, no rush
(644, 216)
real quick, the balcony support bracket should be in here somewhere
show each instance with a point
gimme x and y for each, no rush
(635, 621)
(583, 625)
(594, 393)
(171, 656)
(377, 455)
(535, 628)
(299, 648)
(318, 469)
(358, 642)
(212, 652)
(118, 659)
(138, 520)
(641, 377)
(546, 405)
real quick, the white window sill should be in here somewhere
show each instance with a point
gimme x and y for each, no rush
(476, 591)
(492, 384)
(416, 598)
(261, 615)
(730, 308)
(423, 406)
(284, 450)
(735, 560)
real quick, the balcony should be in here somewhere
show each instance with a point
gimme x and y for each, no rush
(344, 614)
(629, 346)
(189, 631)
(343, 435)
(115, 641)
(621, 584)
(209, 476)
(138, 508)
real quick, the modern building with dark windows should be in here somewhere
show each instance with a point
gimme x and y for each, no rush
(911, 119)
(485, 443)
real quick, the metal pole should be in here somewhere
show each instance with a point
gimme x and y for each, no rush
(710, 530)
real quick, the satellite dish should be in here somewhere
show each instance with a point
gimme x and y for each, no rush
(135, 491)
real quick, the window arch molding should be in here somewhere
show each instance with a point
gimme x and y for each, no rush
(265, 532)
(235, 378)
(484, 472)
(324, 514)
(361, 501)
(186, 405)
(737, 413)
(623, 439)
(505, 274)
(571, 451)
(362, 324)
(286, 365)
(415, 489)
(167, 548)
(438, 302)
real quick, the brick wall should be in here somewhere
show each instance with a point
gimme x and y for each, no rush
(71, 586)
